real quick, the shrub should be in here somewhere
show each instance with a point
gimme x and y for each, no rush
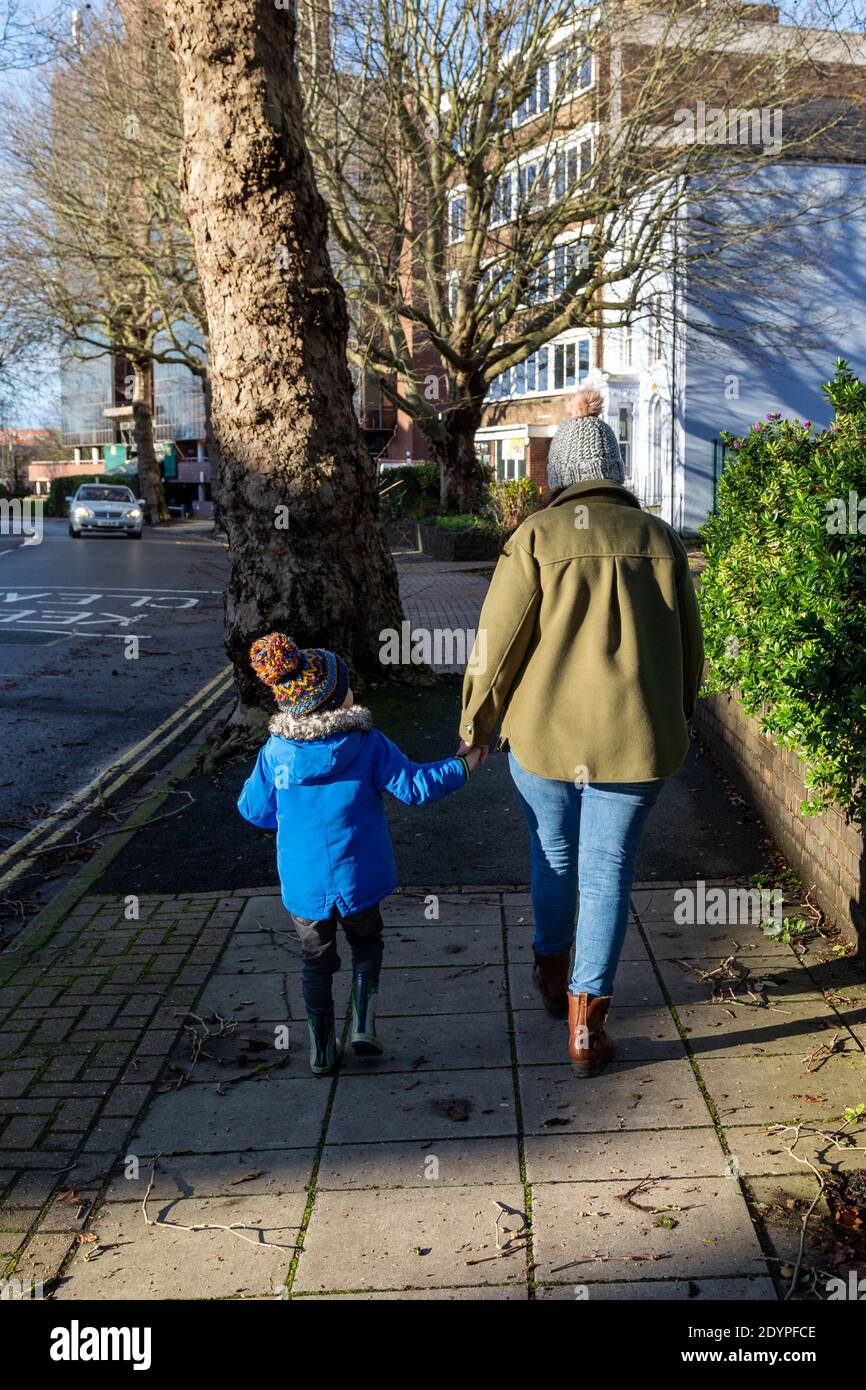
(783, 597)
(511, 503)
(465, 521)
(409, 491)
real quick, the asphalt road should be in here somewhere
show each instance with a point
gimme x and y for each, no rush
(74, 691)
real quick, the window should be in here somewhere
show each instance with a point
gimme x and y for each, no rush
(573, 70)
(502, 201)
(457, 218)
(568, 257)
(538, 99)
(527, 185)
(508, 465)
(624, 436)
(570, 364)
(627, 343)
(653, 491)
(585, 157)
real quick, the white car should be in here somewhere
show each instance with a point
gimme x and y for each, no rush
(100, 508)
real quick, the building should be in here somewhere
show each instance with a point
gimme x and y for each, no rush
(687, 365)
(96, 423)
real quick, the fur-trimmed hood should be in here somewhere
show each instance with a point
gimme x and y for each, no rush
(310, 727)
(316, 747)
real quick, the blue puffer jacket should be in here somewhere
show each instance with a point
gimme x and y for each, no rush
(319, 782)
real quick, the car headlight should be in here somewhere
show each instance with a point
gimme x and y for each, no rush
(134, 513)
(81, 512)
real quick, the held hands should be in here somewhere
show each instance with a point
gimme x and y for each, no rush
(473, 753)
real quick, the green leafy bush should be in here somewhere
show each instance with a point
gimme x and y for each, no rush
(460, 521)
(409, 491)
(783, 597)
(511, 503)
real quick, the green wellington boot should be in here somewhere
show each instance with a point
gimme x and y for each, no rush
(364, 1040)
(324, 1048)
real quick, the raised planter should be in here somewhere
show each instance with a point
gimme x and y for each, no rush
(822, 849)
(442, 543)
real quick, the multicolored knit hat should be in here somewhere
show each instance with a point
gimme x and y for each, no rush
(305, 680)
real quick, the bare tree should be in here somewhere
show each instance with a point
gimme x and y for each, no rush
(297, 488)
(498, 173)
(93, 245)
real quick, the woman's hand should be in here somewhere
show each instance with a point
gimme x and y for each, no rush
(474, 753)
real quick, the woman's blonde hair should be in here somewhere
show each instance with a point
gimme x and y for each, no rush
(585, 401)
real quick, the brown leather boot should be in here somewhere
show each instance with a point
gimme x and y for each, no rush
(589, 1047)
(550, 976)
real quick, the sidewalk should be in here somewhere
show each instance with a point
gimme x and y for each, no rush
(466, 1163)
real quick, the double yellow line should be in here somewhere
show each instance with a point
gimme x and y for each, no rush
(73, 811)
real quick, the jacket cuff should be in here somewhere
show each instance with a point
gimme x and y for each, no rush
(466, 768)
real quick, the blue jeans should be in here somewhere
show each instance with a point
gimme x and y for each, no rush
(587, 834)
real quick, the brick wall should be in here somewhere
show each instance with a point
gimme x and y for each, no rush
(536, 462)
(822, 849)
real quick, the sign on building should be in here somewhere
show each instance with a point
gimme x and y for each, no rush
(114, 457)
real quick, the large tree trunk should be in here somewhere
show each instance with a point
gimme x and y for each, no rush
(149, 476)
(459, 470)
(297, 489)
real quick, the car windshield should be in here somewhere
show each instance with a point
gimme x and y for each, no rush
(104, 494)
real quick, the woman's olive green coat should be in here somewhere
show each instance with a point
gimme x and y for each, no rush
(589, 642)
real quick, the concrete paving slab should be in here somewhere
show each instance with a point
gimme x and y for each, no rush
(447, 1162)
(257, 955)
(494, 1294)
(696, 1227)
(780, 1090)
(669, 940)
(632, 1154)
(437, 1042)
(789, 980)
(757, 1290)
(456, 989)
(442, 945)
(626, 1095)
(790, 1026)
(260, 1114)
(263, 912)
(454, 909)
(415, 1238)
(443, 1105)
(635, 984)
(639, 1034)
(240, 998)
(135, 1261)
(520, 939)
(258, 1172)
(761, 1153)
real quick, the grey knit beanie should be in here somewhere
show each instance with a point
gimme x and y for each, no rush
(586, 447)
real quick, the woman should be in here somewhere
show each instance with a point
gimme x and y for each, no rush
(594, 658)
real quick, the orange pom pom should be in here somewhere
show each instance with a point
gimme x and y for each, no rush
(274, 657)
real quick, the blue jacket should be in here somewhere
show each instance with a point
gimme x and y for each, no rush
(323, 795)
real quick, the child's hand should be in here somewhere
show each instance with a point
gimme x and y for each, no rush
(474, 756)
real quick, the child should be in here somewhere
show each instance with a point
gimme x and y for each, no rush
(319, 781)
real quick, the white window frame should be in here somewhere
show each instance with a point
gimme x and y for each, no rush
(457, 195)
(575, 339)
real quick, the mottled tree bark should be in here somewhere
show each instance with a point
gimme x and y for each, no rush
(297, 490)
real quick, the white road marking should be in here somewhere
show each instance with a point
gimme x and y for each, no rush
(75, 632)
(88, 588)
